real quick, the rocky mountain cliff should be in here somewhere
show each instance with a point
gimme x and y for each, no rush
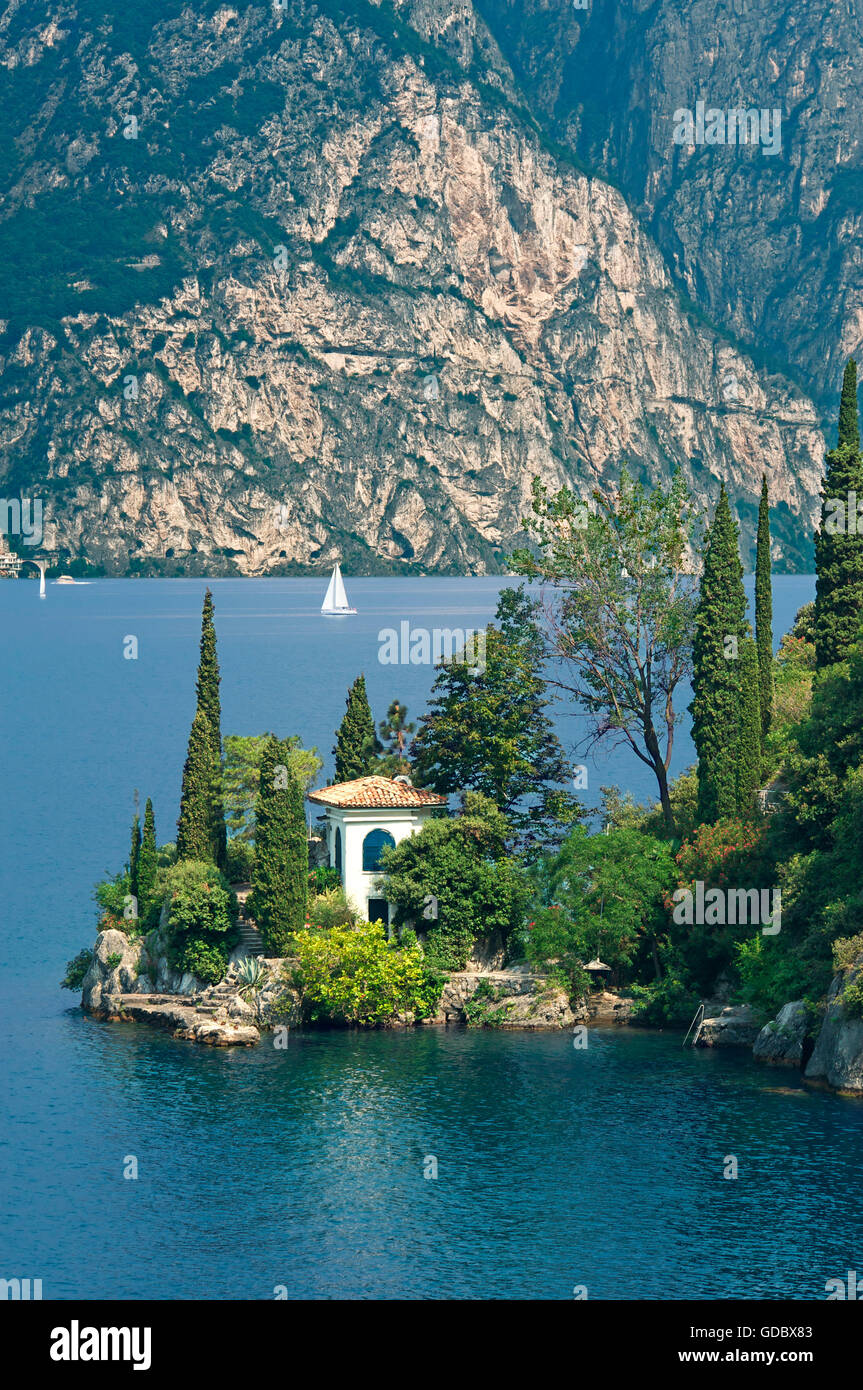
(770, 245)
(281, 283)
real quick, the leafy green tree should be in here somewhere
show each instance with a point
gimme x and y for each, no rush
(601, 895)
(280, 874)
(621, 608)
(395, 733)
(207, 690)
(462, 864)
(197, 834)
(148, 861)
(487, 730)
(357, 746)
(764, 612)
(134, 852)
(839, 543)
(241, 777)
(749, 737)
(719, 620)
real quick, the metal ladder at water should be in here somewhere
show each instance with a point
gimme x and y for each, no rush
(700, 1020)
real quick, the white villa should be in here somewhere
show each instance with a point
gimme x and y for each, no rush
(361, 818)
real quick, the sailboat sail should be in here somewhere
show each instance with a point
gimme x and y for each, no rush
(336, 599)
(329, 604)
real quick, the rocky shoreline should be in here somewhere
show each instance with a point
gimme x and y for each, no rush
(130, 980)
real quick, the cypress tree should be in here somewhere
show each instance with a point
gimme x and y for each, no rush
(134, 853)
(207, 690)
(280, 874)
(715, 708)
(849, 424)
(749, 736)
(147, 860)
(197, 837)
(838, 546)
(357, 745)
(764, 613)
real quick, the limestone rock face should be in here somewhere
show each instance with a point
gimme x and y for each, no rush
(604, 1007)
(781, 1040)
(513, 998)
(280, 1002)
(346, 301)
(735, 1026)
(838, 1055)
(109, 976)
(768, 245)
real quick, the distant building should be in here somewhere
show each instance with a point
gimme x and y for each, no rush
(362, 817)
(10, 565)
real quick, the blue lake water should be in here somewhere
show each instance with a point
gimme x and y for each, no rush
(304, 1168)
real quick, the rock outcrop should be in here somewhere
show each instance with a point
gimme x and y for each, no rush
(511, 998)
(734, 1026)
(290, 284)
(837, 1058)
(781, 1041)
(605, 1007)
(114, 970)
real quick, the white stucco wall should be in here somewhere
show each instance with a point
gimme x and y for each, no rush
(355, 825)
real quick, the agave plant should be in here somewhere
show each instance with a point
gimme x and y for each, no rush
(252, 975)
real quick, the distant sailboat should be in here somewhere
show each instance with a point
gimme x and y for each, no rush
(335, 603)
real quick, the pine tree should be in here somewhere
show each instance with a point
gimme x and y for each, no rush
(490, 731)
(715, 708)
(749, 736)
(838, 546)
(357, 748)
(135, 852)
(147, 860)
(207, 691)
(197, 837)
(764, 613)
(395, 732)
(280, 874)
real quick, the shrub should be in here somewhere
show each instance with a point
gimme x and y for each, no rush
(846, 950)
(331, 909)
(666, 1003)
(200, 899)
(113, 960)
(355, 976)
(852, 997)
(114, 897)
(76, 969)
(484, 1009)
(722, 855)
(204, 958)
(322, 878)
(202, 918)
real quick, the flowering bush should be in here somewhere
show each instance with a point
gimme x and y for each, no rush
(353, 975)
(722, 854)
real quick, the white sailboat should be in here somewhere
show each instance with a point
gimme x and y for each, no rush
(335, 603)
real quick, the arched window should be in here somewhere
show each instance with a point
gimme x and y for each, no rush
(375, 841)
(337, 851)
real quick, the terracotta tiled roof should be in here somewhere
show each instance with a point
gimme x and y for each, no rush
(376, 792)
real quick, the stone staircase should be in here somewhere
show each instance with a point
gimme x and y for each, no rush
(251, 942)
(215, 999)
